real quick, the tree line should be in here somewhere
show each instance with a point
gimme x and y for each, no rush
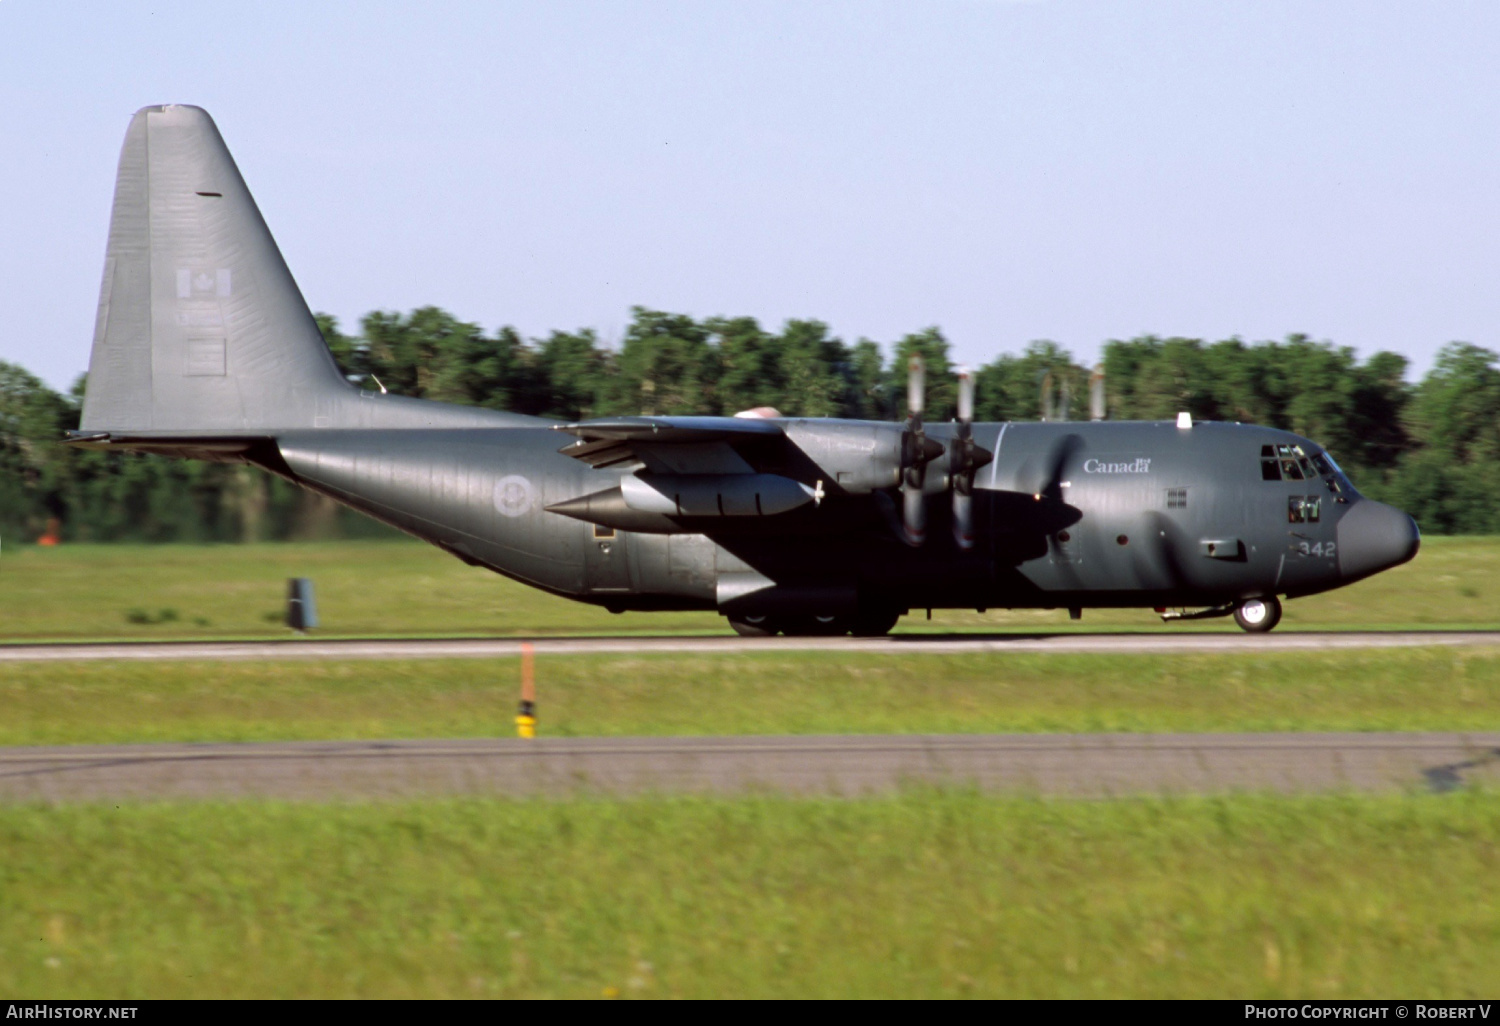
(1431, 447)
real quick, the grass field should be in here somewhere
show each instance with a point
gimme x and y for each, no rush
(775, 693)
(931, 893)
(408, 588)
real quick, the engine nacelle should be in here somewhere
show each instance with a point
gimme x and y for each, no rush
(860, 457)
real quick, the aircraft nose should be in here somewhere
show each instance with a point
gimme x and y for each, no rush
(1373, 537)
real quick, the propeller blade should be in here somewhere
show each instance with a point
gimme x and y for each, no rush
(965, 396)
(962, 463)
(913, 515)
(917, 450)
(963, 519)
(1065, 449)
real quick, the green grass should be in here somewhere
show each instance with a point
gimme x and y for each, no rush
(771, 693)
(929, 893)
(407, 588)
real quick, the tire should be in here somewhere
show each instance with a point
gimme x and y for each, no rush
(814, 626)
(1258, 615)
(874, 623)
(755, 626)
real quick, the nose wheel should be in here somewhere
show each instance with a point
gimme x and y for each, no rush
(1258, 615)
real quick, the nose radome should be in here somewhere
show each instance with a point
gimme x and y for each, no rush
(1373, 537)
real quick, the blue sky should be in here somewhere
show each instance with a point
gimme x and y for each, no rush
(1006, 170)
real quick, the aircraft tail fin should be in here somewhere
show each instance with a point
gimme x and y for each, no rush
(201, 327)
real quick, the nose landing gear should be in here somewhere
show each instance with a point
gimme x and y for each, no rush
(1258, 615)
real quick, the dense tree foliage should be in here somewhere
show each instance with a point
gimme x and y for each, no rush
(1432, 448)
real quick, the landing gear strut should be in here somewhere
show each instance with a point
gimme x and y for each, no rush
(1258, 615)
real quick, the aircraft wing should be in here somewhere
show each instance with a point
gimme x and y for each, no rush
(680, 445)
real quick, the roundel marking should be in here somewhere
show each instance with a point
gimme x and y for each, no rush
(513, 495)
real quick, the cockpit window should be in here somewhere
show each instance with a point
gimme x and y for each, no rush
(1290, 462)
(1270, 464)
(1329, 471)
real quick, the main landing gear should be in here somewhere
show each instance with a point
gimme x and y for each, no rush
(867, 623)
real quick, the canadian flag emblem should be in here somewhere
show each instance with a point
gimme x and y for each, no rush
(199, 283)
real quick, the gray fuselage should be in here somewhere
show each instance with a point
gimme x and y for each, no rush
(1155, 515)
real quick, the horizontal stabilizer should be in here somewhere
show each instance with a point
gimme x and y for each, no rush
(213, 448)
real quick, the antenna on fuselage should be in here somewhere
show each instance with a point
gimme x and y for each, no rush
(1096, 393)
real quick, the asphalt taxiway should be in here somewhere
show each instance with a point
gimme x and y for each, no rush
(1083, 765)
(488, 648)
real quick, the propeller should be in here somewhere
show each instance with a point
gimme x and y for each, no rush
(964, 460)
(917, 450)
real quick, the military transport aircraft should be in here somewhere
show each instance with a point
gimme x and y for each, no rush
(205, 349)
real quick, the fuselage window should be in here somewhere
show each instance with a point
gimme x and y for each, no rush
(1303, 509)
(1290, 470)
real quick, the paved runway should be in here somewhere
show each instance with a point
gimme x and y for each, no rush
(488, 648)
(1088, 765)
